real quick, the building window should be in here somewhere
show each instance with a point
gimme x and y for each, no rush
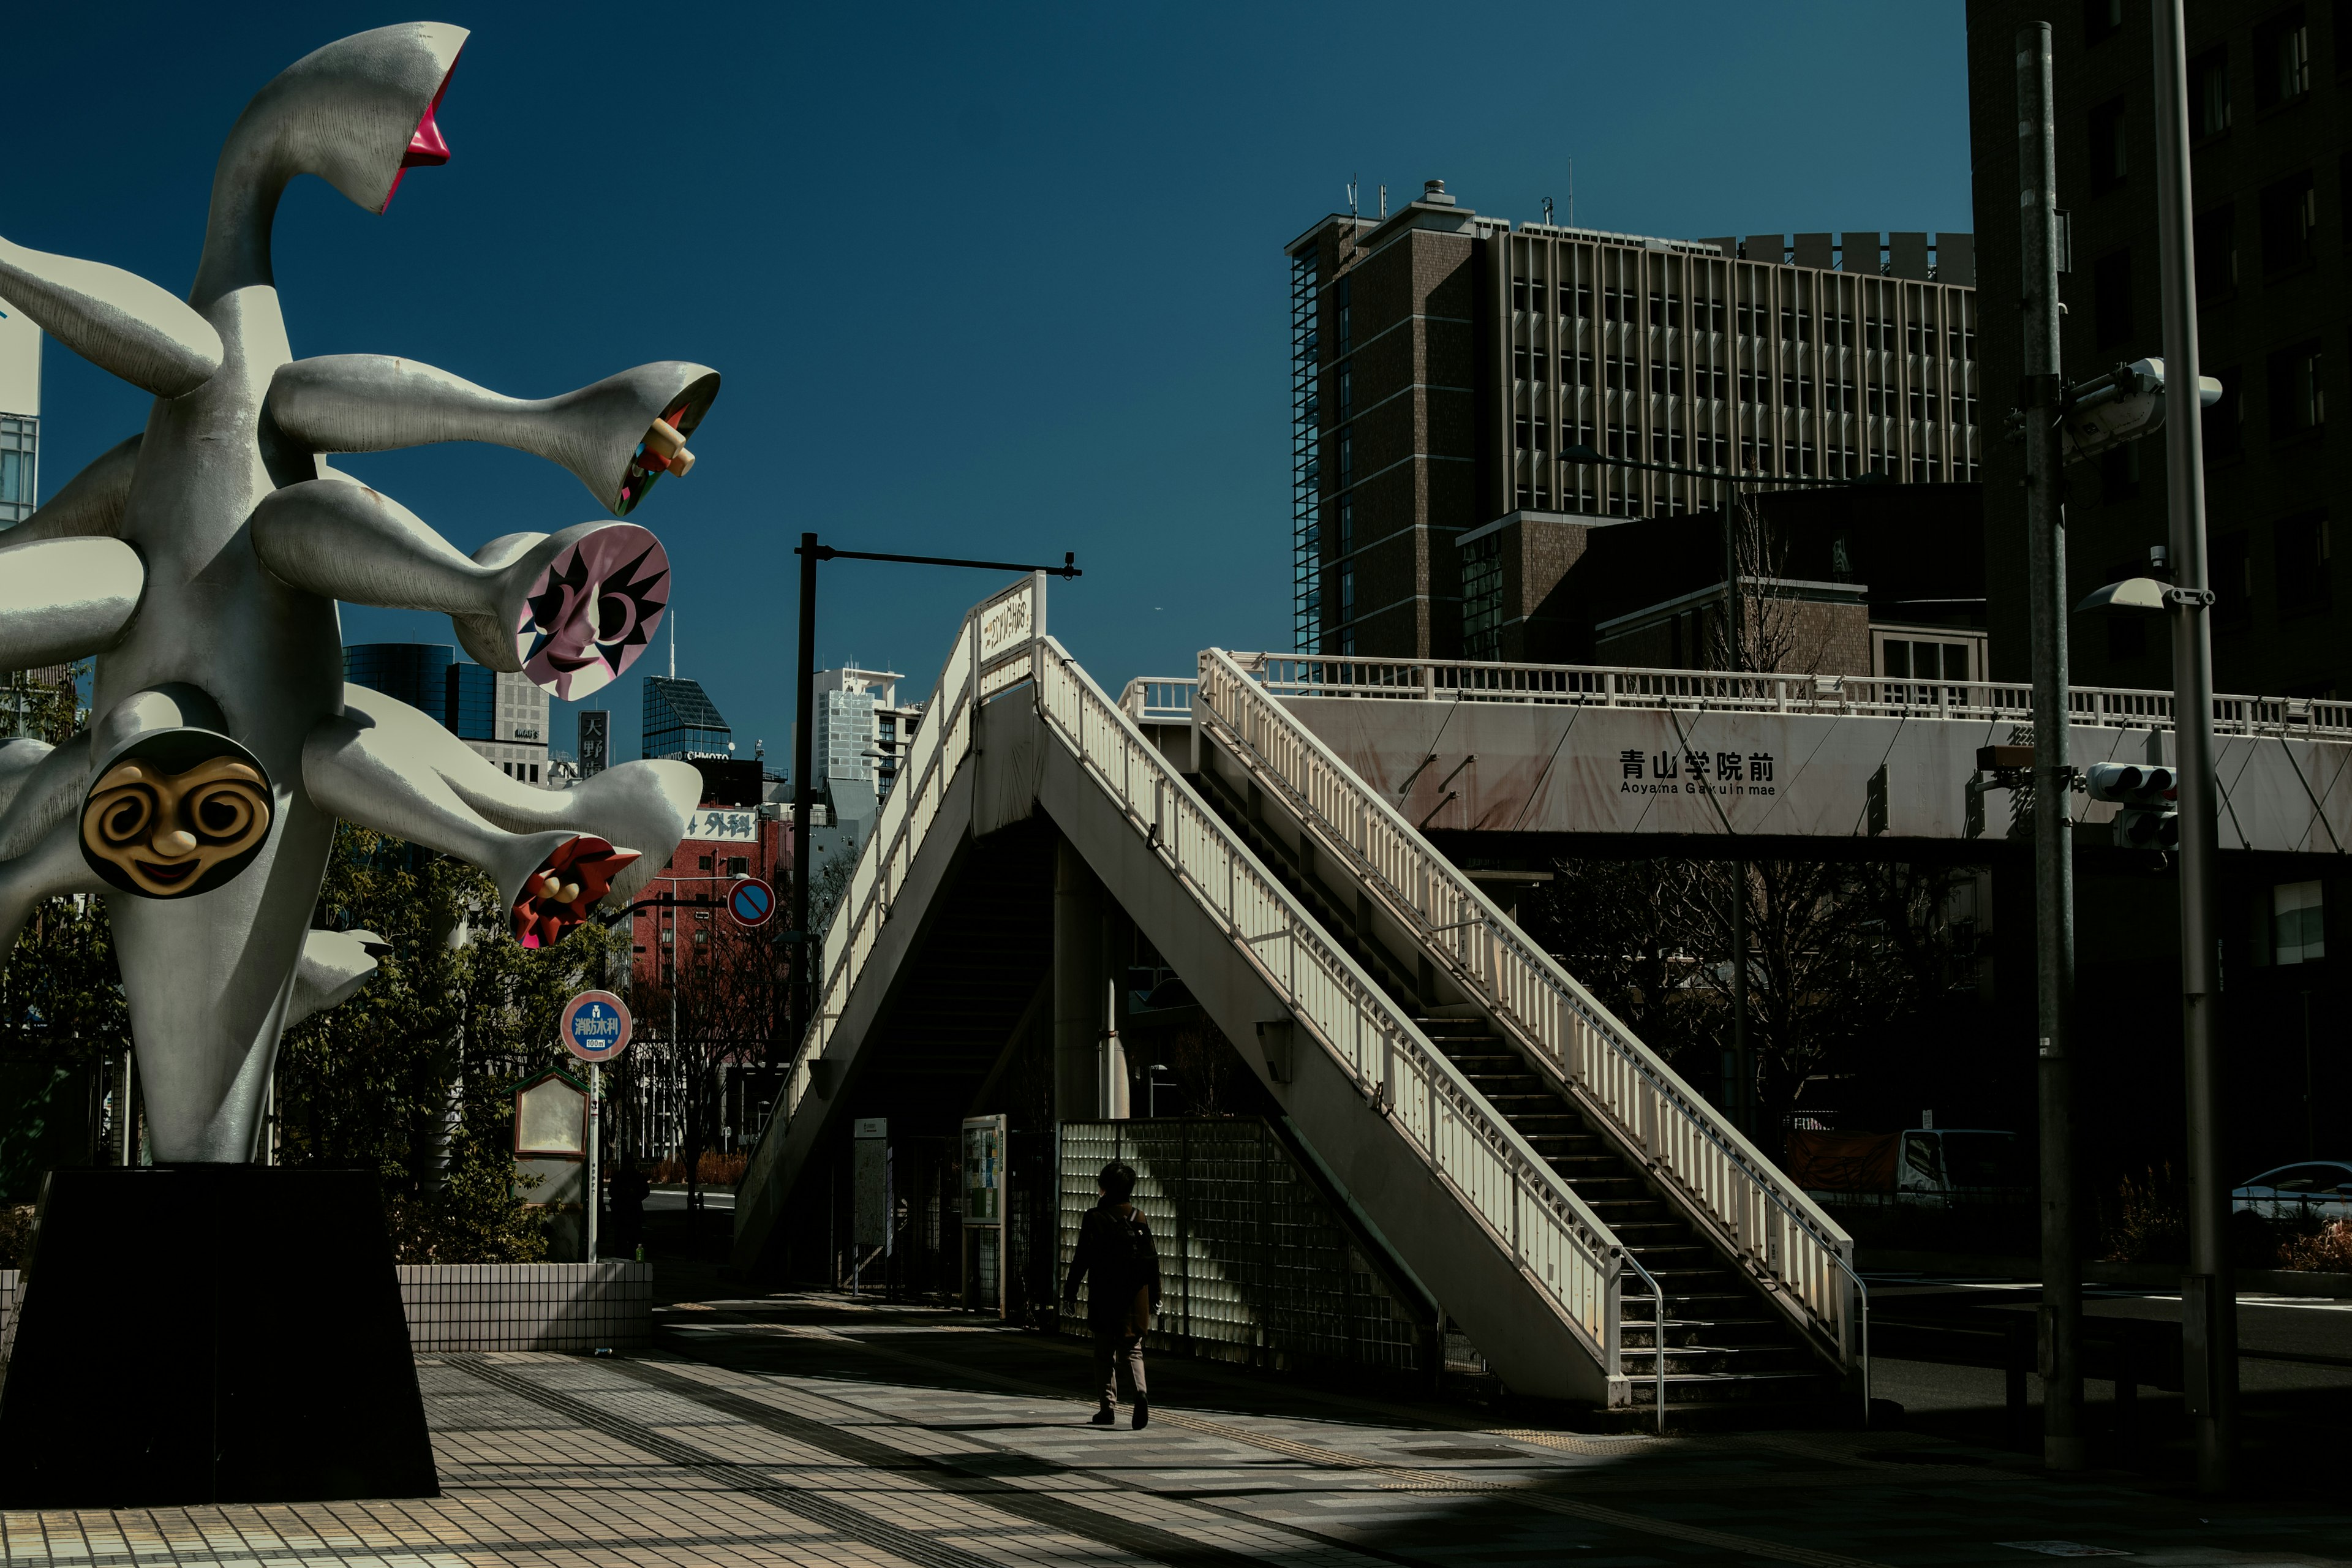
(2216, 240)
(1342, 302)
(2281, 58)
(2109, 163)
(1482, 597)
(1346, 457)
(2301, 549)
(1347, 525)
(2208, 91)
(2111, 299)
(1577, 300)
(2225, 421)
(1347, 591)
(1347, 388)
(2298, 398)
(2298, 923)
(739, 865)
(2290, 220)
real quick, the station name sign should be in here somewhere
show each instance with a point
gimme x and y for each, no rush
(1684, 772)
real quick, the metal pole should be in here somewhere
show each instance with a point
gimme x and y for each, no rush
(595, 1128)
(803, 749)
(2208, 1317)
(2039, 395)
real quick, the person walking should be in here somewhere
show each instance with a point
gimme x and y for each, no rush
(1115, 1247)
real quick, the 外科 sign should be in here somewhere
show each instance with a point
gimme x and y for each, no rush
(751, 902)
(594, 1026)
(726, 827)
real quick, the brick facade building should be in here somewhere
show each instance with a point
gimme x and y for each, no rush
(1445, 364)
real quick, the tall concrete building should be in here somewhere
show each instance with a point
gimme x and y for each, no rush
(2271, 229)
(1443, 362)
(502, 716)
(20, 415)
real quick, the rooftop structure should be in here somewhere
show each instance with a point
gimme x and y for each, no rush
(680, 721)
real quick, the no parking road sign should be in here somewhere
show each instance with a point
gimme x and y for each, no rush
(596, 1025)
(751, 902)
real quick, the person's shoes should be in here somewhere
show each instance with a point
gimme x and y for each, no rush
(1142, 1413)
(1106, 1416)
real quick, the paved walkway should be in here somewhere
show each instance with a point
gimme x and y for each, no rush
(811, 1431)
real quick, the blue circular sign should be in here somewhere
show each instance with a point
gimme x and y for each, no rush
(596, 1025)
(751, 902)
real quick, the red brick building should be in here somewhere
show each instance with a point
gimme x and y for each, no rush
(733, 832)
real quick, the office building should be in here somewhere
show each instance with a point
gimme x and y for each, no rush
(20, 415)
(850, 706)
(501, 715)
(680, 721)
(1445, 365)
(2272, 194)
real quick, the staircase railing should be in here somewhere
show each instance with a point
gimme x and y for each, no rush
(1766, 1218)
(1558, 1242)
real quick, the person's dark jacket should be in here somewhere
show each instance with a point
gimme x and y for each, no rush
(1127, 1290)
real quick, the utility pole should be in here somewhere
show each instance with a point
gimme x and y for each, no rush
(2040, 394)
(2209, 1298)
(803, 742)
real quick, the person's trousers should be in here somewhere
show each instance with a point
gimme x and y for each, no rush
(1111, 1350)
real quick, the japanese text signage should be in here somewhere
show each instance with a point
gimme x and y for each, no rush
(984, 1169)
(596, 1025)
(1686, 772)
(727, 827)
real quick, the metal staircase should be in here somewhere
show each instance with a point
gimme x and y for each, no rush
(1760, 1298)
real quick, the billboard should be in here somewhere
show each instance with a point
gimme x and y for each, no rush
(595, 741)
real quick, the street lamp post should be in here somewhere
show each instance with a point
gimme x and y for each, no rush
(804, 742)
(2209, 1302)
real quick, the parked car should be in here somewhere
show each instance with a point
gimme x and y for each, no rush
(2322, 1187)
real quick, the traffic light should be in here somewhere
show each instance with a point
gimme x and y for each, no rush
(2147, 793)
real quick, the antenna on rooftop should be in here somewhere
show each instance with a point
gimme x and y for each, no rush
(1571, 192)
(673, 645)
(1384, 201)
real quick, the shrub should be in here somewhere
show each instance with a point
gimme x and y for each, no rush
(2152, 1220)
(2328, 1250)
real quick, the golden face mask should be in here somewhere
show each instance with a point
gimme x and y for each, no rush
(165, 834)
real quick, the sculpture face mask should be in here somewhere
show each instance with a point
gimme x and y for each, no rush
(166, 832)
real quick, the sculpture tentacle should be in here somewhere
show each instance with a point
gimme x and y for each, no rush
(39, 787)
(617, 437)
(116, 320)
(89, 505)
(334, 965)
(51, 869)
(384, 765)
(63, 599)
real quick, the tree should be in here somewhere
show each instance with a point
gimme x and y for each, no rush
(728, 989)
(413, 1076)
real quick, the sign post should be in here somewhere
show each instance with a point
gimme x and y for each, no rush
(595, 1028)
(984, 1184)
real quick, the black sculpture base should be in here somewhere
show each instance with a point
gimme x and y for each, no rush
(211, 1333)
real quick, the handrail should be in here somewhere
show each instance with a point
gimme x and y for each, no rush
(1658, 1336)
(1534, 998)
(1158, 699)
(1534, 1215)
(2111, 707)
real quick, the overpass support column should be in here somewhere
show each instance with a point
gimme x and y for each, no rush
(1084, 1087)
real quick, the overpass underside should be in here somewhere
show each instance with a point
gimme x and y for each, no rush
(1495, 1138)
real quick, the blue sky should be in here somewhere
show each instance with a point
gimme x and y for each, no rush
(999, 281)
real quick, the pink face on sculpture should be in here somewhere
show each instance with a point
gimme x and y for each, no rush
(426, 149)
(593, 611)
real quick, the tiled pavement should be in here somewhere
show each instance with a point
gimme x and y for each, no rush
(808, 1431)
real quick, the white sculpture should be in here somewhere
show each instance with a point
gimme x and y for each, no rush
(200, 562)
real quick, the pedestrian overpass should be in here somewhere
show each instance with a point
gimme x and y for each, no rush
(1565, 1194)
(1266, 824)
(1488, 757)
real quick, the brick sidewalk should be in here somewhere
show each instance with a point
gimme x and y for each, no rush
(805, 1430)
